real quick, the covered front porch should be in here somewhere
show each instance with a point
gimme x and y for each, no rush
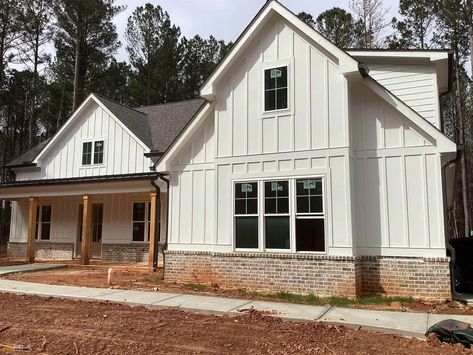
(116, 219)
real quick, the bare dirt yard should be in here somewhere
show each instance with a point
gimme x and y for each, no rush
(138, 277)
(35, 325)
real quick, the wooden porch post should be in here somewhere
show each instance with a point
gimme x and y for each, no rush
(152, 231)
(31, 228)
(86, 225)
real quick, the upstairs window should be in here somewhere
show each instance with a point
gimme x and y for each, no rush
(275, 89)
(92, 149)
(98, 152)
(87, 153)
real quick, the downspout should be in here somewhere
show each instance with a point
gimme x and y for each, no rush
(158, 225)
(445, 213)
(157, 228)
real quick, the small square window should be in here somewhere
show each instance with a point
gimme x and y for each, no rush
(275, 89)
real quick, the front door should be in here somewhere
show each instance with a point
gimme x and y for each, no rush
(96, 231)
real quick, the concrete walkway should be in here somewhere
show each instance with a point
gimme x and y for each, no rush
(403, 323)
(15, 269)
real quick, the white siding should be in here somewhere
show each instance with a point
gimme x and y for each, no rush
(192, 190)
(117, 217)
(315, 118)
(416, 85)
(122, 153)
(397, 196)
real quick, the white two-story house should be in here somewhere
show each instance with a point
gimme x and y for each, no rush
(301, 168)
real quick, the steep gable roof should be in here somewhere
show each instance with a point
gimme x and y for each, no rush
(166, 121)
(136, 121)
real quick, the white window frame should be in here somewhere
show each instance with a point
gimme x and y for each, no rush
(147, 222)
(289, 214)
(292, 213)
(93, 141)
(39, 222)
(289, 63)
(258, 209)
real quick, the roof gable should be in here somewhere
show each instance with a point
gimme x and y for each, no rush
(346, 63)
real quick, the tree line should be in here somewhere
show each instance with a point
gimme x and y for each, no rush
(38, 92)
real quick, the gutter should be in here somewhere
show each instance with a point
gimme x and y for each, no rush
(445, 213)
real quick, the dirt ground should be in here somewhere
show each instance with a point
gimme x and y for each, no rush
(138, 277)
(36, 325)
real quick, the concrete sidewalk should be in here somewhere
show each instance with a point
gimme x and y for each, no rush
(15, 269)
(403, 323)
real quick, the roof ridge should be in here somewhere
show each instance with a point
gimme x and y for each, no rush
(100, 96)
(170, 103)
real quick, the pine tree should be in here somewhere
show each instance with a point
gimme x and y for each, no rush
(338, 26)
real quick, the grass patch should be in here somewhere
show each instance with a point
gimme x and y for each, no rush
(337, 300)
(196, 287)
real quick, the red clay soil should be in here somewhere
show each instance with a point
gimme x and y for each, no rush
(138, 277)
(38, 325)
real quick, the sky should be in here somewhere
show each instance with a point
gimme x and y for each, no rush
(224, 19)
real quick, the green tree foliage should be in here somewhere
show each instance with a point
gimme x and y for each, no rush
(152, 45)
(414, 29)
(87, 34)
(199, 58)
(307, 18)
(338, 26)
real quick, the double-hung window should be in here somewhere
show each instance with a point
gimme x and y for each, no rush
(246, 215)
(310, 223)
(276, 215)
(93, 150)
(292, 216)
(141, 221)
(43, 222)
(275, 89)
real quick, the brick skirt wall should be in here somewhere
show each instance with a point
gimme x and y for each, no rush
(416, 277)
(321, 275)
(43, 250)
(125, 253)
(313, 274)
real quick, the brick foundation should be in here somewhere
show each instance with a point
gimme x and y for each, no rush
(319, 275)
(43, 250)
(127, 253)
(416, 277)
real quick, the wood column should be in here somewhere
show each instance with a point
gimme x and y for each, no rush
(30, 251)
(86, 226)
(152, 230)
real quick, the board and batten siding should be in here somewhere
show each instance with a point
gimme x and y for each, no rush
(414, 84)
(397, 182)
(122, 153)
(117, 217)
(192, 191)
(315, 119)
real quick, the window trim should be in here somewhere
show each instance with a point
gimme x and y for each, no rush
(147, 222)
(289, 63)
(292, 213)
(93, 140)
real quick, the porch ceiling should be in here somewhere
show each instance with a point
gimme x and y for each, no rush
(80, 186)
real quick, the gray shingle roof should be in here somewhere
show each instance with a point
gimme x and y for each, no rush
(166, 121)
(157, 126)
(134, 120)
(29, 156)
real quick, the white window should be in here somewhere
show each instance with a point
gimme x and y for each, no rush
(292, 219)
(92, 149)
(141, 221)
(43, 223)
(275, 89)
(246, 215)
